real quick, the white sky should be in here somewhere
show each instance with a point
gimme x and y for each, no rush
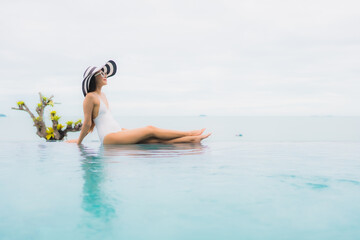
(186, 57)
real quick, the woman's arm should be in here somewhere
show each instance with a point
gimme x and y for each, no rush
(88, 107)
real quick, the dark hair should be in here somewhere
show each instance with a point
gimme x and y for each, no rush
(92, 85)
(92, 88)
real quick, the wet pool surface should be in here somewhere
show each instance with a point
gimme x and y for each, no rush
(214, 190)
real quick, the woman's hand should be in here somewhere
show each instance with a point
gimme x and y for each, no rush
(72, 141)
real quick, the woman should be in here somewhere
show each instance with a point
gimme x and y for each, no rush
(97, 113)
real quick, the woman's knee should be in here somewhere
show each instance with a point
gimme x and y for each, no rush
(151, 129)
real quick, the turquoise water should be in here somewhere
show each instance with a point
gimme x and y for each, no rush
(285, 178)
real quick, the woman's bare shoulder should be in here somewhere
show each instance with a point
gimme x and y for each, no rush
(91, 98)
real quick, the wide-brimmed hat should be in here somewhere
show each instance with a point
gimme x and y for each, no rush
(109, 68)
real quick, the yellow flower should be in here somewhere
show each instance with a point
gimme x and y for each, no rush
(50, 133)
(69, 123)
(59, 126)
(51, 103)
(20, 103)
(49, 130)
(56, 117)
(53, 116)
(39, 104)
(77, 122)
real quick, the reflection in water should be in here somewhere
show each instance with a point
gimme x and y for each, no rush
(42, 152)
(95, 199)
(99, 203)
(154, 150)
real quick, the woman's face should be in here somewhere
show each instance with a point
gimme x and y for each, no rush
(101, 78)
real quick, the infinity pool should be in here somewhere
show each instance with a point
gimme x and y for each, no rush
(213, 190)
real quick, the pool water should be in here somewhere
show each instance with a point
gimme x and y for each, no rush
(224, 188)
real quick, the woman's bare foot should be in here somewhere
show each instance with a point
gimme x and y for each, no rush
(201, 137)
(196, 132)
(187, 139)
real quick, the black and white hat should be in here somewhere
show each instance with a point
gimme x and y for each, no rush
(109, 68)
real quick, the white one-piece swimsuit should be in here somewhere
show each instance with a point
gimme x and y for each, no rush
(105, 122)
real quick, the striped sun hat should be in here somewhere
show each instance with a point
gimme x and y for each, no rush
(109, 68)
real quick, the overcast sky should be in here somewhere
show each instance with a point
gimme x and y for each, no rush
(186, 57)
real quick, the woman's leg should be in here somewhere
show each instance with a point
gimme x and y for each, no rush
(140, 134)
(129, 136)
(186, 139)
(151, 140)
(171, 134)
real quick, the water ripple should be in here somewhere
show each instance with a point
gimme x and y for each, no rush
(153, 150)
